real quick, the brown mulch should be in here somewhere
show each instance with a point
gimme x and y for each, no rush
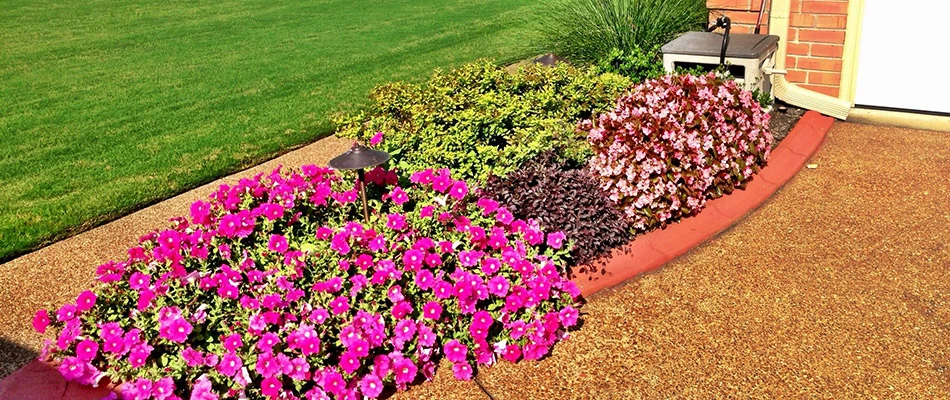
(836, 288)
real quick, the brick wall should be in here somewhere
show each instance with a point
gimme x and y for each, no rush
(815, 37)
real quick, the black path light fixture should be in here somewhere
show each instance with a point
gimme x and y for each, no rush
(358, 158)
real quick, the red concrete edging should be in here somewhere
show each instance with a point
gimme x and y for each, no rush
(652, 250)
(42, 381)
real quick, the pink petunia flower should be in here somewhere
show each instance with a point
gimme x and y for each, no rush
(229, 365)
(371, 386)
(41, 321)
(277, 243)
(432, 310)
(72, 368)
(85, 301)
(163, 389)
(455, 351)
(376, 139)
(405, 370)
(87, 350)
(462, 371)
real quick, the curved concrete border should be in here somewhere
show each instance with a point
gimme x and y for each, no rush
(652, 250)
(41, 381)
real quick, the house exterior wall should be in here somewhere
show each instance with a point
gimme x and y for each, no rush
(816, 37)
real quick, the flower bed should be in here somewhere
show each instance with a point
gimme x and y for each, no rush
(274, 288)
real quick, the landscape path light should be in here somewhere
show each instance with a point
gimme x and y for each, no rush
(358, 158)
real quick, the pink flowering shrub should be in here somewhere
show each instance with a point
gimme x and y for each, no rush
(277, 289)
(673, 142)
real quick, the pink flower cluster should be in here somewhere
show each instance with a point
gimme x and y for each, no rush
(276, 288)
(676, 141)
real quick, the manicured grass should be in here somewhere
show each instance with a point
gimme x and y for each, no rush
(108, 106)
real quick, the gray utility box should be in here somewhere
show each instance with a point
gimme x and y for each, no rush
(746, 57)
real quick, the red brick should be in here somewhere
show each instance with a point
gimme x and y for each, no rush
(828, 90)
(824, 78)
(832, 21)
(821, 36)
(825, 7)
(792, 34)
(820, 64)
(796, 76)
(802, 20)
(796, 6)
(799, 49)
(729, 4)
(791, 62)
(826, 50)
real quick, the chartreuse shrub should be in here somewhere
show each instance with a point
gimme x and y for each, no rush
(567, 198)
(276, 288)
(676, 141)
(588, 30)
(481, 120)
(637, 63)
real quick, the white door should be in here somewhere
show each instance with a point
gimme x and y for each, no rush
(904, 57)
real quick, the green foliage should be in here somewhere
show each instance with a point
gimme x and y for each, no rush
(636, 64)
(587, 30)
(480, 120)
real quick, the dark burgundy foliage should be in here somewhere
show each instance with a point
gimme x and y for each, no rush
(564, 197)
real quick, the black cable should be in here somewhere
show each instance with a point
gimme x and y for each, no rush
(482, 387)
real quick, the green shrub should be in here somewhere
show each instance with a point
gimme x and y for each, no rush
(587, 30)
(636, 64)
(480, 120)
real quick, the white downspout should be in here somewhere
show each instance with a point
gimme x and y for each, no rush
(785, 90)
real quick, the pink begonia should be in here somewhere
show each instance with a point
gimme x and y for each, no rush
(41, 321)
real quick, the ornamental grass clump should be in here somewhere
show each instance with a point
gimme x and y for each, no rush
(276, 288)
(481, 120)
(674, 142)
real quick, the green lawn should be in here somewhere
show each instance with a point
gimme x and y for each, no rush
(110, 105)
